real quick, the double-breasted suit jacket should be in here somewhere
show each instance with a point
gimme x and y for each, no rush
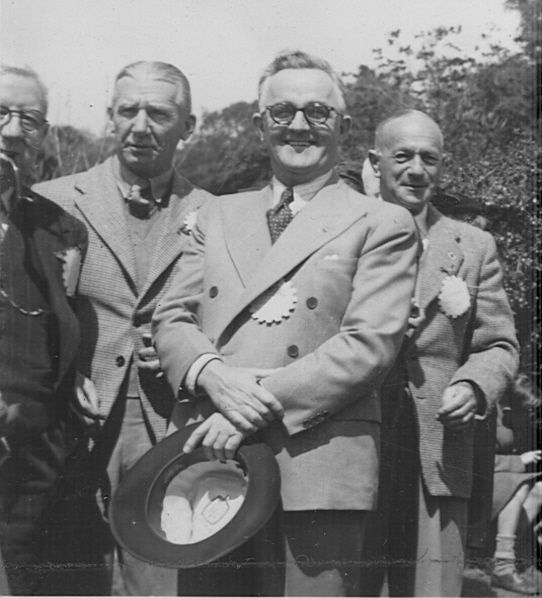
(112, 326)
(349, 264)
(479, 346)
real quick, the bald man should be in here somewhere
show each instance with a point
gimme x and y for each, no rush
(457, 359)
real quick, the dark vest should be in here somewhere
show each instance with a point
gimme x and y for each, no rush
(28, 329)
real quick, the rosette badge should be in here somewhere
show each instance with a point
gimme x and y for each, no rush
(454, 298)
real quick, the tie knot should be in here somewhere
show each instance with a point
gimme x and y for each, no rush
(140, 200)
(286, 197)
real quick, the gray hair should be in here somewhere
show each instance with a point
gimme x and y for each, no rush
(296, 59)
(161, 71)
(28, 73)
(379, 132)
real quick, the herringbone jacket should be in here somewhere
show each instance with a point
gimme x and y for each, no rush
(113, 313)
(479, 346)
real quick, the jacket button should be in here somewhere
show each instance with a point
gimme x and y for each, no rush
(120, 361)
(293, 351)
(213, 292)
(312, 302)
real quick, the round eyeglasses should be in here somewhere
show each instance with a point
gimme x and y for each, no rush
(315, 113)
(31, 120)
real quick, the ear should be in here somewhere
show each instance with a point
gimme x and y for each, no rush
(110, 127)
(258, 122)
(374, 159)
(346, 124)
(190, 125)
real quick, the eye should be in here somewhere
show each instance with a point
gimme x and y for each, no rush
(3, 111)
(159, 115)
(430, 159)
(401, 157)
(127, 111)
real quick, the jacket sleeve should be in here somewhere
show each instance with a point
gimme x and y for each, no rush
(352, 363)
(493, 357)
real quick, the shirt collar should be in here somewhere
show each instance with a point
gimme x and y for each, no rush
(125, 179)
(302, 193)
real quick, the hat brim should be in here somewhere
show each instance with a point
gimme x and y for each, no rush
(136, 505)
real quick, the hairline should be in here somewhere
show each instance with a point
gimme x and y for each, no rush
(380, 129)
(298, 60)
(28, 73)
(158, 71)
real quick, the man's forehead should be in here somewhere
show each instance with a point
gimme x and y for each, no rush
(411, 131)
(21, 91)
(149, 87)
(299, 86)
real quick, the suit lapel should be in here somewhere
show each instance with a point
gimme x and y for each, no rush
(328, 214)
(246, 231)
(442, 257)
(99, 201)
(173, 235)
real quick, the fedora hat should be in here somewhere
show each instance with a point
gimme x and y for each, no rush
(182, 510)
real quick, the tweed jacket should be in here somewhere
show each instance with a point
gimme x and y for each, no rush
(113, 313)
(55, 242)
(479, 346)
(345, 266)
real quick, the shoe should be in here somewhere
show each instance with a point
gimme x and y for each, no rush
(514, 582)
(533, 576)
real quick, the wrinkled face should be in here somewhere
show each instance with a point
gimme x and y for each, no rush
(301, 151)
(24, 130)
(149, 119)
(409, 161)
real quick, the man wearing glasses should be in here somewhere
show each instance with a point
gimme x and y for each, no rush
(312, 282)
(41, 248)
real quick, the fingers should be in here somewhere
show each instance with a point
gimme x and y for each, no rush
(148, 358)
(194, 440)
(218, 438)
(271, 402)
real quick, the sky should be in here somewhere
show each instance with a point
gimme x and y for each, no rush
(77, 46)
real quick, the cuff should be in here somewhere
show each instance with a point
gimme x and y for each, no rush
(191, 379)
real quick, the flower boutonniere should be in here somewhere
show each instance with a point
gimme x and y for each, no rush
(189, 222)
(454, 298)
(71, 266)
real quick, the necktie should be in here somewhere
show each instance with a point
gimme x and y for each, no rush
(140, 201)
(279, 217)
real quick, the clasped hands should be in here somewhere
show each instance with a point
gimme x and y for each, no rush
(243, 406)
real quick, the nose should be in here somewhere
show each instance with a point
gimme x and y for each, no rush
(12, 128)
(299, 122)
(141, 122)
(416, 166)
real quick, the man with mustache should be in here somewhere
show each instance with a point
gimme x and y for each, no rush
(139, 212)
(41, 247)
(312, 281)
(458, 358)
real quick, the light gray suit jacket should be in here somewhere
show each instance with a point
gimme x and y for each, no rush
(351, 261)
(479, 346)
(113, 313)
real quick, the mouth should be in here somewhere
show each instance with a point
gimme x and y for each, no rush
(140, 147)
(299, 144)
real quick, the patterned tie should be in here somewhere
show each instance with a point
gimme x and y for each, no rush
(279, 217)
(140, 201)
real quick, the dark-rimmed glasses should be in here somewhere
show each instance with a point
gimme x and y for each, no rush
(315, 113)
(31, 120)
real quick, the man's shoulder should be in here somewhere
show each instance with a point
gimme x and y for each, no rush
(45, 213)
(69, 182)
(468, 234)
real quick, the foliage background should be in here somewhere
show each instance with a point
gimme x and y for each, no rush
(488, 107)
